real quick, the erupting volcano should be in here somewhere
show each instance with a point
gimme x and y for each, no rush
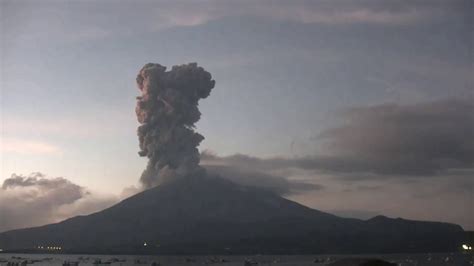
(167, 111)
(186, 210)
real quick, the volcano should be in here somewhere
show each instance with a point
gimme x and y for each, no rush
(204, 214)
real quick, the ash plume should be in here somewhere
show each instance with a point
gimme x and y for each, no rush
(167, 111)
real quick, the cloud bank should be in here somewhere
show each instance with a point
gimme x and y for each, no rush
(414, 140)
(35, 199)
(421, 139)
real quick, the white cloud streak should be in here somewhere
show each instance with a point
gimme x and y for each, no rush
(28, 147)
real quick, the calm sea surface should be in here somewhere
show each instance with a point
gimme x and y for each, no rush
(455, 259)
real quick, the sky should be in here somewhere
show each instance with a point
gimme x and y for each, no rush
(357, 108)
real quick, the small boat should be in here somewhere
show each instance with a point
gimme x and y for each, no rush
(71, 263)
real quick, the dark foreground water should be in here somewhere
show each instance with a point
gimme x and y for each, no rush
(455, 259)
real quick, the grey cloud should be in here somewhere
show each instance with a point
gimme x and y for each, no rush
(421, 139)
(277, 184)
(418, 139)
(249, 162)
(159, 15)
(325, 12)
(316, 163)
(36, 199)
(364, 188)
(39, 180)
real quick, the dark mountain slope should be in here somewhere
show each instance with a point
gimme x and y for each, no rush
(212, 215)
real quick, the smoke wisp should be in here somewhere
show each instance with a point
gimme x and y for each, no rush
(167, 111)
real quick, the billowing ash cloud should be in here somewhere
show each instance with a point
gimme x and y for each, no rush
(36, 200)
(167, 111)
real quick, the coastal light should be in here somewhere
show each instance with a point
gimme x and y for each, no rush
(466, 247)
(144, 244)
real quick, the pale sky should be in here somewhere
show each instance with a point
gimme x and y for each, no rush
(289, 76)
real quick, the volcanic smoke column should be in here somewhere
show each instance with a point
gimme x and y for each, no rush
(167, 111)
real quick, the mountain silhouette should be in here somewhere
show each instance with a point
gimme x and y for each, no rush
(209, 215)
